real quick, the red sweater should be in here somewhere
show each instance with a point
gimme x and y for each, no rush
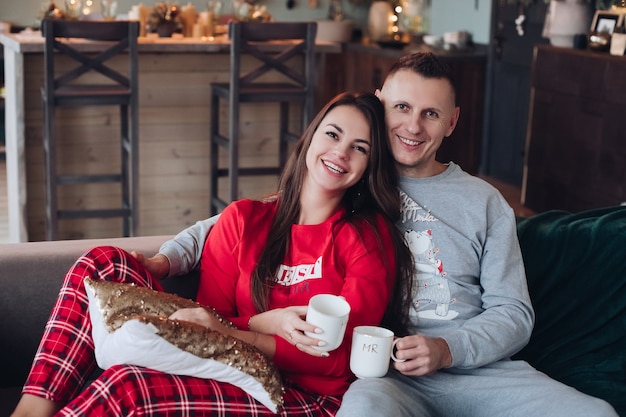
(331, 257)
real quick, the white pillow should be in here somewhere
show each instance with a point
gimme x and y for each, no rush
(130, 326)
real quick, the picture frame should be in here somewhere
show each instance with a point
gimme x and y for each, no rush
(606, 21)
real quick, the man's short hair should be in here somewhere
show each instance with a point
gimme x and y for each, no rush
(425, 64)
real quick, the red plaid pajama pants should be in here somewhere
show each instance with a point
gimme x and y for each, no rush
(65, 359)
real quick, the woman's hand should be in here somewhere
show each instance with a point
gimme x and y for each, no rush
(289, 324)
(201, 316)
(158, 265)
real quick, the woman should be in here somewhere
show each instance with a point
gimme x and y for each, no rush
(334, 211)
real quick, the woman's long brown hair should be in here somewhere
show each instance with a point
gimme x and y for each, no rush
(376, 193)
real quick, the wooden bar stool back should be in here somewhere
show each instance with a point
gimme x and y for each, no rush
(273, 45)
(62, 87)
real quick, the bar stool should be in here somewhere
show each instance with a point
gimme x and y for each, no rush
(61, 88)
(259, 41)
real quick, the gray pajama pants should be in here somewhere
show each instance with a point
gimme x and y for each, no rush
(502, 389)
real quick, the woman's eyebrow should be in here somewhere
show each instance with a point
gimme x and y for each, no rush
(336, 127)
(341, 131)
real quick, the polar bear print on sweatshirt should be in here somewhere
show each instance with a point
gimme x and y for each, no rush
(432, 285)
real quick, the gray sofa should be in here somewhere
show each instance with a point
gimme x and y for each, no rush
(30, 278)
(575, 265)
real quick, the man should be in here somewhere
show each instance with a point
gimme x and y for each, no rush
(471, 308)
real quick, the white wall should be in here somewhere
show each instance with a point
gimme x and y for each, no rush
(471, 15)
(446, 15)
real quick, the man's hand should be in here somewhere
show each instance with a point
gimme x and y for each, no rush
(158, 265)
(423, 355)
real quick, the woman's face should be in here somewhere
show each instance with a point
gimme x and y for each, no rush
(339, 151)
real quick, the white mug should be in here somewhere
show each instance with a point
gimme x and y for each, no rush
(372, 347)
(330, 313)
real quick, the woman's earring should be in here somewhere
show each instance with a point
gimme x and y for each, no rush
(361, 187)
(356, 202)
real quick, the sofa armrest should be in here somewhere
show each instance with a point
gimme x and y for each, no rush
(577, 282)
(30, 278)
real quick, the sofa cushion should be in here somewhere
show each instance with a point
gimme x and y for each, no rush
(131, 326)
(576, 270)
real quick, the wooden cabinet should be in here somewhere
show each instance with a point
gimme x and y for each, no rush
(576, 141)
(364, 67)
(506, 117)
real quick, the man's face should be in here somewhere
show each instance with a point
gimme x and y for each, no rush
(420, 112)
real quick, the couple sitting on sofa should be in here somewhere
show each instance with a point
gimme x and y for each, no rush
(469, 309)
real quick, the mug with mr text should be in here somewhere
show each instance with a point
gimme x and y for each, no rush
(330, 313)
(372, 347)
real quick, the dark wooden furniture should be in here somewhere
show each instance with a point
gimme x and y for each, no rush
(576, 142)
(295, 85)
(508, 92)
(174, 114)
(88, 80)
(363, 68)
(2, 105)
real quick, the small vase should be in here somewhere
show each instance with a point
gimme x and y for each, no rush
(73, 9)
(166, 29)
(379, 20)
(564, 20)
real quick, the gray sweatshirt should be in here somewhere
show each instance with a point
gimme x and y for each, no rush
(470, 284)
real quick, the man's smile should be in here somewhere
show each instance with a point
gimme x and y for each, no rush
(409, 141)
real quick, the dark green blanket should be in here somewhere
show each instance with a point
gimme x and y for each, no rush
(576, 269)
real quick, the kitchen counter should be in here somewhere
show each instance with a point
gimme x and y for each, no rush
(174, 115)
(33, 42)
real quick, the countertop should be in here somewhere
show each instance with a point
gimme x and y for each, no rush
(33, 42)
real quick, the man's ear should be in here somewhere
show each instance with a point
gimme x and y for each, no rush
(453, 121)
(377, 93)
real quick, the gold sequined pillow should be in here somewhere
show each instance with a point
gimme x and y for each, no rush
(131, 326)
